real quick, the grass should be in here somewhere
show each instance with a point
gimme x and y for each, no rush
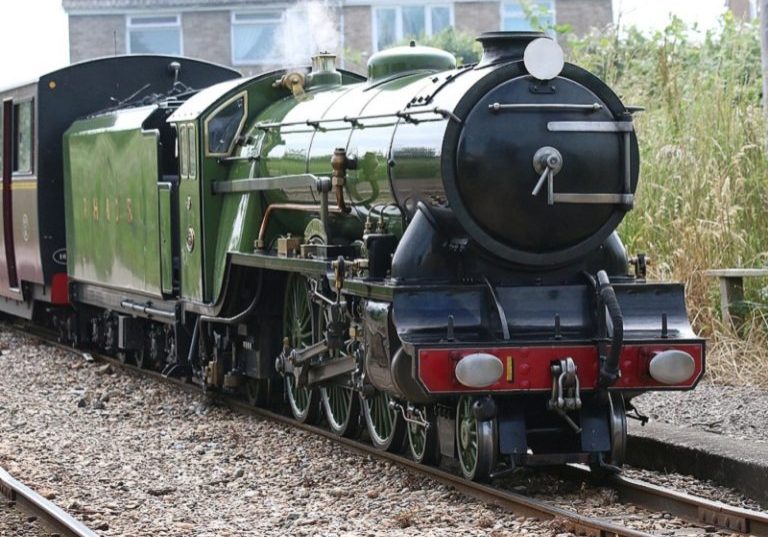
(703, 197)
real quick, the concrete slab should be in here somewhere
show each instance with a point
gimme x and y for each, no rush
(739, 464)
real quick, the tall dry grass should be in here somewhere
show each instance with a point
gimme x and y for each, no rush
(703, 199)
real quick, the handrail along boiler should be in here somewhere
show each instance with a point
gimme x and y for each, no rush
(429, 252)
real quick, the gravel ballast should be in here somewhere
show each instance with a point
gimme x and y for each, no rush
(735, 411)
(14, 523)
(132, 456)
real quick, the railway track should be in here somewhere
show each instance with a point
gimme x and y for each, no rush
(696, 510)
(51, 517)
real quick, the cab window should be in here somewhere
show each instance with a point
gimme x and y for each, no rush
(183, 155)
(224, 126)
(22, 135)
(192, 152)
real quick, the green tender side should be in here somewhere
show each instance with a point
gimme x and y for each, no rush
(111, 196)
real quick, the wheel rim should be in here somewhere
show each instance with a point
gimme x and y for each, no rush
(422, 440)
(299, 329)
(339, 403)
(138, 357)
(475, 442)
(383, 422)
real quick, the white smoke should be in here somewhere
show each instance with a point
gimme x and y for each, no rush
(310, 27)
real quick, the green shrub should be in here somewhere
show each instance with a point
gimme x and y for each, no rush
(702, 202)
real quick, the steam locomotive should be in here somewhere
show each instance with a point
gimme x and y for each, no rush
(427, 253)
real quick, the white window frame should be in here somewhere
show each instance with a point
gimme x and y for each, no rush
(131, 24)
(427, 6)
(551, 6)
(281, 21)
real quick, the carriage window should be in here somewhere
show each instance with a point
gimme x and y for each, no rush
(23, 131)
(224, 126)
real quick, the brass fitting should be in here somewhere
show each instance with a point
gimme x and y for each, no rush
(293, 82)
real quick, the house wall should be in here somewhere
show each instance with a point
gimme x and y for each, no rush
(207, 34)
(94, 36)
(477, 17)
(358, 42)
(584, 15)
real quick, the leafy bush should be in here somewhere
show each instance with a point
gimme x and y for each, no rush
(703, 197)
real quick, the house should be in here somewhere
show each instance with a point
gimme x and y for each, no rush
(254, 35)
(745, 10)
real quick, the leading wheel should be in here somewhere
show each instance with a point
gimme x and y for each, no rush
(386, 426)
(475, 441)
(299, 326)
(422, 437)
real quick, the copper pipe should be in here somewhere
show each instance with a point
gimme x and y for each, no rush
(287, 207)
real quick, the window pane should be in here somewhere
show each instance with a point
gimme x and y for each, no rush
(192, 152)
(23, 127)
(155, 41)
(441, 19)
(255, 42)
(414, 24)
(223, 127)
(514, 18)
(515, 24)
(183, 157)
(386, 27)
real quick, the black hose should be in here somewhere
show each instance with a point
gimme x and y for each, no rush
(609, 369)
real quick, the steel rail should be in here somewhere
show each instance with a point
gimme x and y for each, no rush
(679, 504)
(49, 515)
(642, 494)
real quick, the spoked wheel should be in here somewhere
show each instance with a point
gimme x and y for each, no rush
(342, 410)
(423, 440)
(299, 325)
(257, 391)
(340, 403)
(123, 357)
(475, 441)
(386, 426)
(141, 359)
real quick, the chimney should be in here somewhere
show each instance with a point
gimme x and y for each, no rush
(498, 46)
